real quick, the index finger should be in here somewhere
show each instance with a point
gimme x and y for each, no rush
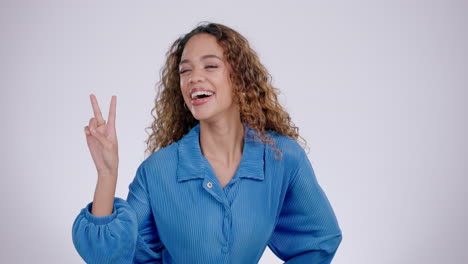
(96, 110)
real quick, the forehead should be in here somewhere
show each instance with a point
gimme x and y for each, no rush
(200, 45)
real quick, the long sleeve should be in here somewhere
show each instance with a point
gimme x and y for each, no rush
(307, 230)
(128, 235)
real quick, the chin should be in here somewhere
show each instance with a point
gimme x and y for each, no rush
(201, 115)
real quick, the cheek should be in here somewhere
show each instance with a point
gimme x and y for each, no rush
(225, 95)
(224, 83)
(183, 88)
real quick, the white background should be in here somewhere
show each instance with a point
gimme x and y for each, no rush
(378, 89)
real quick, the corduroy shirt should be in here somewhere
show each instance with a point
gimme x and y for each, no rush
(177, 212)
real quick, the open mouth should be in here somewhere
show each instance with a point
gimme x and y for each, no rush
(201, 94)
(201, 97)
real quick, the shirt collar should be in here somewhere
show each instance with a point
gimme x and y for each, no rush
(191, 166)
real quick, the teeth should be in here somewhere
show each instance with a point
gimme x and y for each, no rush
(195, 94)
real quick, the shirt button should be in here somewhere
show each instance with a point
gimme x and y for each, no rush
(225, 249)
(209, 185)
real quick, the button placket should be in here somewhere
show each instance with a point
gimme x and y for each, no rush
(211, 184)
(213, 187)
(232, 190)
(227, 228)
(214, 190)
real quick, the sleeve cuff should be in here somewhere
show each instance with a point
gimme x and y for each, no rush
(102, 220)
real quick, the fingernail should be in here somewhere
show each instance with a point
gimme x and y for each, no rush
(93, 130)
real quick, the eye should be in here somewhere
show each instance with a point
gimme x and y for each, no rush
(211, 66)
(183, 71)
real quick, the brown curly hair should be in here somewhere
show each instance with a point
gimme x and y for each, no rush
(257, 98)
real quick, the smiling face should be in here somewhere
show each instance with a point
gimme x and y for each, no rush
(204, 79)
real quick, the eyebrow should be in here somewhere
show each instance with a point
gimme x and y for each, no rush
(203, 57)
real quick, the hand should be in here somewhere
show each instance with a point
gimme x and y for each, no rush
(102, 139)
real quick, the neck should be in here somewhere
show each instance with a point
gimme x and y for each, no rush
(222, 140)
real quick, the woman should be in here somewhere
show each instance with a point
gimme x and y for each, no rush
(225, 178)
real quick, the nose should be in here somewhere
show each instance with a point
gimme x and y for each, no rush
(196, 76)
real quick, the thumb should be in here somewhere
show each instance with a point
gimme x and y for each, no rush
(99, 136)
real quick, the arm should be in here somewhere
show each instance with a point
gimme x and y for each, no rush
(307, 230)
(148, 245)
(128, 235)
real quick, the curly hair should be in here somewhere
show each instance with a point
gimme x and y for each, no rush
(252, 88)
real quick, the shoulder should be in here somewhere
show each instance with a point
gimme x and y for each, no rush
(292, 152)
(161, 158)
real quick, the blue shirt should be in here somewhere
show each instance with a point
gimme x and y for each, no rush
(177, 212)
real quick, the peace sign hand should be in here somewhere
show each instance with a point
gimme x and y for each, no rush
(102, 139)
